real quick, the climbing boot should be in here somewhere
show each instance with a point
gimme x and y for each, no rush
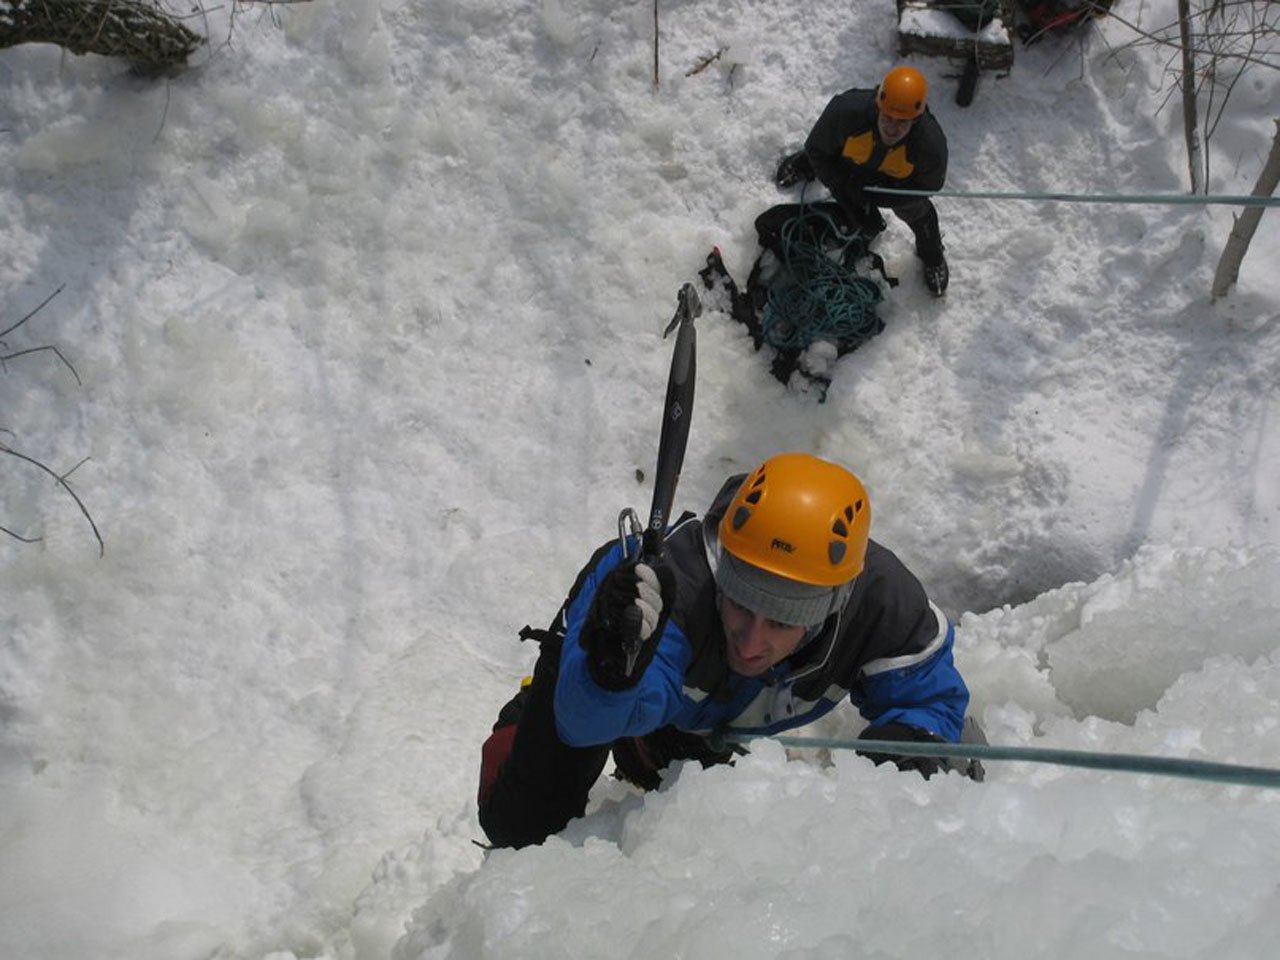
(929, 250)
(936, 275)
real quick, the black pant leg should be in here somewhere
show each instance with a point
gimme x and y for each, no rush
(543, 784)
(924, 224)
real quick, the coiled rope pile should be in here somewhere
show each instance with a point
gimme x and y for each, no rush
(815, 296)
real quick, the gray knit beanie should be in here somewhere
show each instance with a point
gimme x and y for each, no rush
(771, 596)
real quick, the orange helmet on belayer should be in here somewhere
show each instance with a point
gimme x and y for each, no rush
(799, 517)
(902, 93)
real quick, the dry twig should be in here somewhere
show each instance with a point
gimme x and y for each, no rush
(705, 62)
(60, 479)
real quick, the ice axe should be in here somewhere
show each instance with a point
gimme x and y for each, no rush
(676, 414)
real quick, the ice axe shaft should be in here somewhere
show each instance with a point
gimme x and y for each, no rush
(677, 412)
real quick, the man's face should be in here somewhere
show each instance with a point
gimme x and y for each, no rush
(892, 130)
(753, 644)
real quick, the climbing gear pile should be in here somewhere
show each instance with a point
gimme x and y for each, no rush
(814, 292)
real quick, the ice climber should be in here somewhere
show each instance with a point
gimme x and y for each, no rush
(762, 616)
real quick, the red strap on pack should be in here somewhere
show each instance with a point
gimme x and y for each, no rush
(493, 755)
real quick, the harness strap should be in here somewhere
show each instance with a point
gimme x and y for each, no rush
(532, 633)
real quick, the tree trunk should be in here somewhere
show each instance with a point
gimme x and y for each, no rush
(1244, 225)
(1189, 124)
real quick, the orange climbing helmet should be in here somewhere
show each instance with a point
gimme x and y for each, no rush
(902, 93)
(801, 518)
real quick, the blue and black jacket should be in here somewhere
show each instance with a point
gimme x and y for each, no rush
(888, 650)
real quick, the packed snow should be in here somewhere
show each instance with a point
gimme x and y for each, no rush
(362, 327)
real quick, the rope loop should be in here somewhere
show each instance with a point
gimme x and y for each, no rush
(814, 296)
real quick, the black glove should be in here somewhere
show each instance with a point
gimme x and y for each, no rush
(861, 214)
(925, 766)
(630, 609)
(794, 169)
(867, 220)
(641, 760)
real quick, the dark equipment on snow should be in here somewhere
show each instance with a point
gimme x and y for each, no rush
(674, 438)
(981, 32)
(975, 14)
(1043, 17)
(968, 83)
(813, 292)
(804, 286)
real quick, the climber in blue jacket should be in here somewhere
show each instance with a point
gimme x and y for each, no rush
(764, 615)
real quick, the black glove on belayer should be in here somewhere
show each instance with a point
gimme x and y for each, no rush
(867, 219)
(794, 168)
(629, 611)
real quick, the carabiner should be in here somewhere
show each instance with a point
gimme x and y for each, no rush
(629, 525)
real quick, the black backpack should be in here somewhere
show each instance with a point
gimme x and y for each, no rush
(804, 286)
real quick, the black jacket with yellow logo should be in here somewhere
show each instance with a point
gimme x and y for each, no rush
(847, 153)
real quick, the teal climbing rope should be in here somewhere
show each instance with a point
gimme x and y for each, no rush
(815, 296)
(1247, 776)
(1168, 198)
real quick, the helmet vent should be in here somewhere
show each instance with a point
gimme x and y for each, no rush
(753, 497)
(740, 516)
(835, 552)
(839, 528)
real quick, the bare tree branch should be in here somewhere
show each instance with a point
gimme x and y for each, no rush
(705, 62)
(23, 353)
(61, 480)
(56, 352)
(38, 308)
(655, 43)
(1265, 15)
(18, 536)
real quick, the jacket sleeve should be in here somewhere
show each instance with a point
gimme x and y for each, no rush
(931, 164)
(824, 148)
(925, 692)
(587, 714)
